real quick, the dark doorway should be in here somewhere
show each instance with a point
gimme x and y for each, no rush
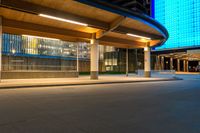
(181, 65)
(192, 66)
(175, 64)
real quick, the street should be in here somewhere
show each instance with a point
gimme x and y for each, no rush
(151, 107)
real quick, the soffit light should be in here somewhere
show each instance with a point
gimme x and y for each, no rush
(40, 37)
(142, 37)
(62, 19)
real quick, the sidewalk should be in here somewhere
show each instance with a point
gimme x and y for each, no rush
(82, 80)
(188, 73)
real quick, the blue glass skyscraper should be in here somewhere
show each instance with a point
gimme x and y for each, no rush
(182, 20)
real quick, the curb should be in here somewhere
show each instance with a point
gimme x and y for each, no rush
(77, 84)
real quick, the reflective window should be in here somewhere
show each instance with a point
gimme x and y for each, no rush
(33, 45)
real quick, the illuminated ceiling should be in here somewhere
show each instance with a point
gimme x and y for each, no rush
(24, 17)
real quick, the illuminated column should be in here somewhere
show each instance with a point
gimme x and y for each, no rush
(94, 59)
(178, 65)
(147, 61)
(171, 63)
(199, 62)
(77, 59)
(127, 62)
(0, 46)
(162, 63)
(158, 64)
(184, 65)
(187, 63)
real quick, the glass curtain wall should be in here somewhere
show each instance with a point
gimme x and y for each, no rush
(23, 52)
(33, 45)
(33, 53)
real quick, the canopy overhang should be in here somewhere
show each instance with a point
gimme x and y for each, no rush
(108, 26)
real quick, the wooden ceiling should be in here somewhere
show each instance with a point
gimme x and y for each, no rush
(134, 24)
(21, 17)
(77, 9)
(27, 17)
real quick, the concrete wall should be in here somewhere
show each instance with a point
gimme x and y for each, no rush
(37, 74)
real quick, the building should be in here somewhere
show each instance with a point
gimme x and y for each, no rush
(140, 6)
(182, 19)
(44, 38)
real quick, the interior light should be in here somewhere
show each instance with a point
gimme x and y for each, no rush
(13, 51)
(62, 19)
(41, 37)
(92, 41)
(142, 37)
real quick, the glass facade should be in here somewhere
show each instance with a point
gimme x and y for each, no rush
(34, 53)
(32, 45)
(182, 20)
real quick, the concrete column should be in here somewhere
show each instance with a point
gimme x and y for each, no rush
(1, 38)
(147, 61)
(94, 59)
(178, 65)
(136, 58)
(199, 62)
(127, 62)
(162, 63)
(158, 63)
(171, 64)
(77, 60)
(184, 65)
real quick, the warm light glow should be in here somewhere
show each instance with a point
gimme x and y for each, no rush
(142, 37)
(13, 51)
(92, 41)
(62, 19)
(40, 37)
(144, 40)
(146, 48)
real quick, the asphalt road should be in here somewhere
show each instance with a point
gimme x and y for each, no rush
(156, 107)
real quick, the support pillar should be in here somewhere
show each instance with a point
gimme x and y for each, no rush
(158, 63)
(127, 62)
(162, 63)
(1, 38)
(94, 59)
(147, 61)
(171, 64)
(136, 58)
(178, 65)
(187, 63)
(184, 65)
(199, 62)
(77, 60)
